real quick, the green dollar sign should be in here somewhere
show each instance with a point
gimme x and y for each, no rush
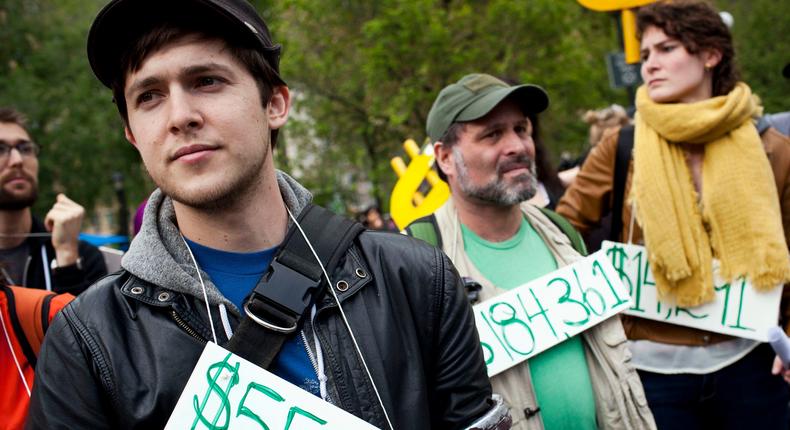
(213, 387)
(618, 256)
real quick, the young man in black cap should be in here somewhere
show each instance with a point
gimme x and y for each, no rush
(380, 328)
(482, 138)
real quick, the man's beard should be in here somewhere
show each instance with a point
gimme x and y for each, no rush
(224, 195)
(499, 192)
(216, 199)
(15, 202)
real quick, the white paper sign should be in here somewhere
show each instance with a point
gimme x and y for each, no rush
(738, 309)
(546, 311)
(226, 391)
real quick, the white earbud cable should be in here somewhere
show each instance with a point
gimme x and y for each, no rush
(13, 354)
(203, 287)
(345, 319)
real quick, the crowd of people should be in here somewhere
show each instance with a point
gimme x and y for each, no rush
(231, 252)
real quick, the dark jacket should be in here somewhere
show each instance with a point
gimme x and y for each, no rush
(120, 356)
(69, 279)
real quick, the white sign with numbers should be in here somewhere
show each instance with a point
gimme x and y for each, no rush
(738, 309)
(226, 391)
(546, 311)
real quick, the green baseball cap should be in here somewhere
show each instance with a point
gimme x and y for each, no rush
(476, 95)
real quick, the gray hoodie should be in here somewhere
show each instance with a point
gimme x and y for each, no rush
(159, 255)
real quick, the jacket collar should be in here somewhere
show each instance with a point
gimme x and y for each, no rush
(158, 255)
(453, 243)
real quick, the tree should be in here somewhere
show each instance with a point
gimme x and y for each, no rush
(45, 74)
(760, 48)
(369, 71)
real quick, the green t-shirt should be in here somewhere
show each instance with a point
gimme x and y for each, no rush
(559, 375)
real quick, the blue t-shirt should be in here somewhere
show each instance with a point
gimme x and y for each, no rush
(235, 274)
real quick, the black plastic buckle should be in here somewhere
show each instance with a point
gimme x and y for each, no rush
(282, 295)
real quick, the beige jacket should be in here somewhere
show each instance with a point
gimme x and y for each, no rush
(619, 398)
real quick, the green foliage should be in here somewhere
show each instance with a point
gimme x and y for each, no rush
(364, 75)
(45, 74)
(760, 48)
(370, 72)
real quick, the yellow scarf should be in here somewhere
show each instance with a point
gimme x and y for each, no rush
(738, 219)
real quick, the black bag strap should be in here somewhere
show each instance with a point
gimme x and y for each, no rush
(293, 282)
(567, 229)
(427, 229)
(625, 146)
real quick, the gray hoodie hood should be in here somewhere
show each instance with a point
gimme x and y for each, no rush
(159, 255)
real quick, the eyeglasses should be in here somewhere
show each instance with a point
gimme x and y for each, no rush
(26, 149)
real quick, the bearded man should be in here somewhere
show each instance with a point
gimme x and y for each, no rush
(45, 255)
(482, 133)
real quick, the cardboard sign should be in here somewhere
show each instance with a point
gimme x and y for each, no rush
(226, 391)
(738, 309)
(546, 311)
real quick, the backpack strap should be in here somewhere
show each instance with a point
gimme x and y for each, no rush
(427, 229)
(24, 307)
(567, 229)
(625, 147)
(292, 284)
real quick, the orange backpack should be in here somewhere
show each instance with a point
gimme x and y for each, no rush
(25, 314)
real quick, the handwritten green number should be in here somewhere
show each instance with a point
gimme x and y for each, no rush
(566, 298)
(245, 411)
(596, 268)
(585, 297)
(501, 342)
(542, 312)
(297, 410)
(487, 352)
(727, 287)
(637, 295)
(509, 321)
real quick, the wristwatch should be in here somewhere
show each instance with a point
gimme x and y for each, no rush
(54, 264)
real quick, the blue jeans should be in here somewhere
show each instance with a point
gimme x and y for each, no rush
(743, 395)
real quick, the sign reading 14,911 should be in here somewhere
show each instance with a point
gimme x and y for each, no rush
(226, 391)
(546, 311)
(737, 309)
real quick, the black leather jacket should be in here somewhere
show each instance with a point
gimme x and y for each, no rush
(119, 356)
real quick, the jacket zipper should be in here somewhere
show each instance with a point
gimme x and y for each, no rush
(180, 322)
(310, 354)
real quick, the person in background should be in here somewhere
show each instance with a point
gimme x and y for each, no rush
(45, 255)
(610, 117)
(704, 184)
(373, 219)
(482, 130)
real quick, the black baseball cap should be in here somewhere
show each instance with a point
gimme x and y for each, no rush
(121, 22)
(474, 96)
